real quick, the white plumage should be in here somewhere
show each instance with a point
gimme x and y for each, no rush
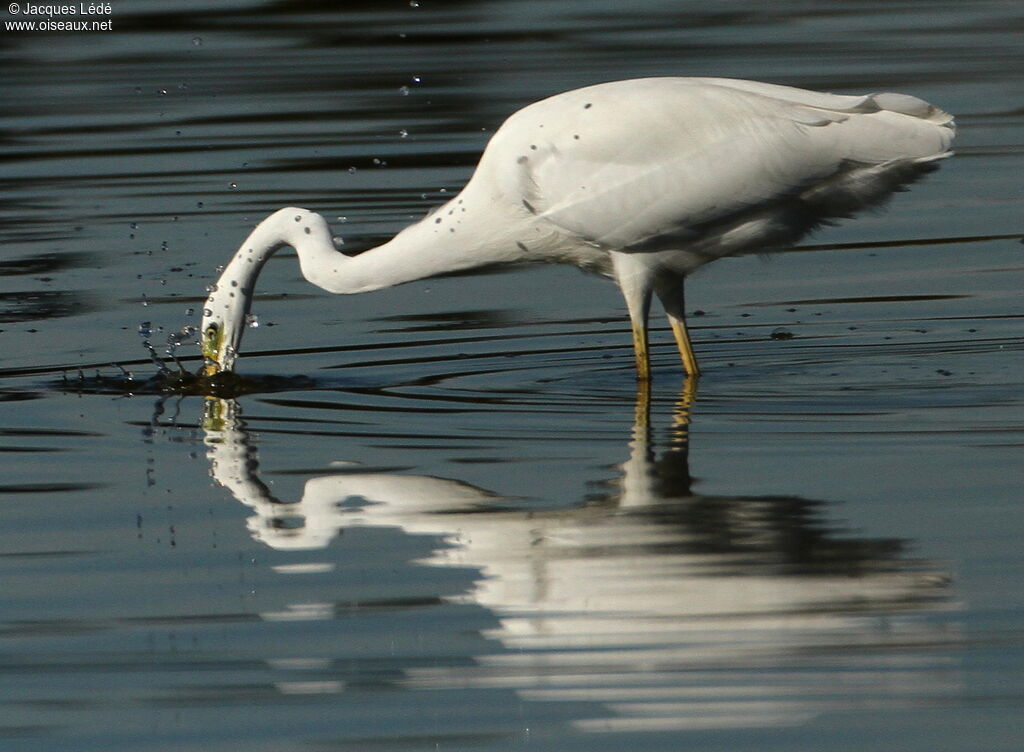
(643, 180)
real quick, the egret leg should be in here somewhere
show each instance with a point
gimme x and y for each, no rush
(643, 358)
(683, 343)
(635, 281)
(671, 297)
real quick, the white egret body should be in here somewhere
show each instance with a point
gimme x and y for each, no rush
(642, 180)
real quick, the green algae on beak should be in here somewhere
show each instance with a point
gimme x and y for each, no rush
(212, 344)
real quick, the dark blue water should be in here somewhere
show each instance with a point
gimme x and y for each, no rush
(440, 516)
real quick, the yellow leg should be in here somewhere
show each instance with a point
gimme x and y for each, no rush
(670, 292)
(685, 348)
(634, 278)
(643, 359)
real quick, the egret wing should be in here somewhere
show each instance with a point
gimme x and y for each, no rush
(623, 164)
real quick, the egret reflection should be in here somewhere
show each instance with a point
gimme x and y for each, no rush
(663, 607)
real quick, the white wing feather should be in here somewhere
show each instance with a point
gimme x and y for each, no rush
(621, 163)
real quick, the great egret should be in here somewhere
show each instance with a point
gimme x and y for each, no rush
(641, 180)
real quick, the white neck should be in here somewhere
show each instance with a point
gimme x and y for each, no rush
(422, 250)
(443, 242)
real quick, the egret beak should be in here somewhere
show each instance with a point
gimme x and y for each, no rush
(213, 344)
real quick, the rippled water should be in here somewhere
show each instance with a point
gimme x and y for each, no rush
(440, 516)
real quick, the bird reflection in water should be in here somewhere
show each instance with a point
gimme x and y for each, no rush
(667, 608)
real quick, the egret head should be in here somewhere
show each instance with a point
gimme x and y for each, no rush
(223, 325)
(224, 315)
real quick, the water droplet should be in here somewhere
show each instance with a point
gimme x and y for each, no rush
(134, 225)
(197, 41)
(187, 335)
(414, 3)
(145, 300)
(338, 240)
(781, 332)
(232, 185)
(403, 90)
(403, 133)
(417, 80)
(343, 219)
(199, 204)
(351, 170)
(251, 321)
(145, 329)
(162, 92)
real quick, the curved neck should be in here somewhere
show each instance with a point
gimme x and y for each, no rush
(425, 249)
(422, 250)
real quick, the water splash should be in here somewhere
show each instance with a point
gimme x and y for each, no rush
(187, 335)
(145, 331)
(161, 366)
